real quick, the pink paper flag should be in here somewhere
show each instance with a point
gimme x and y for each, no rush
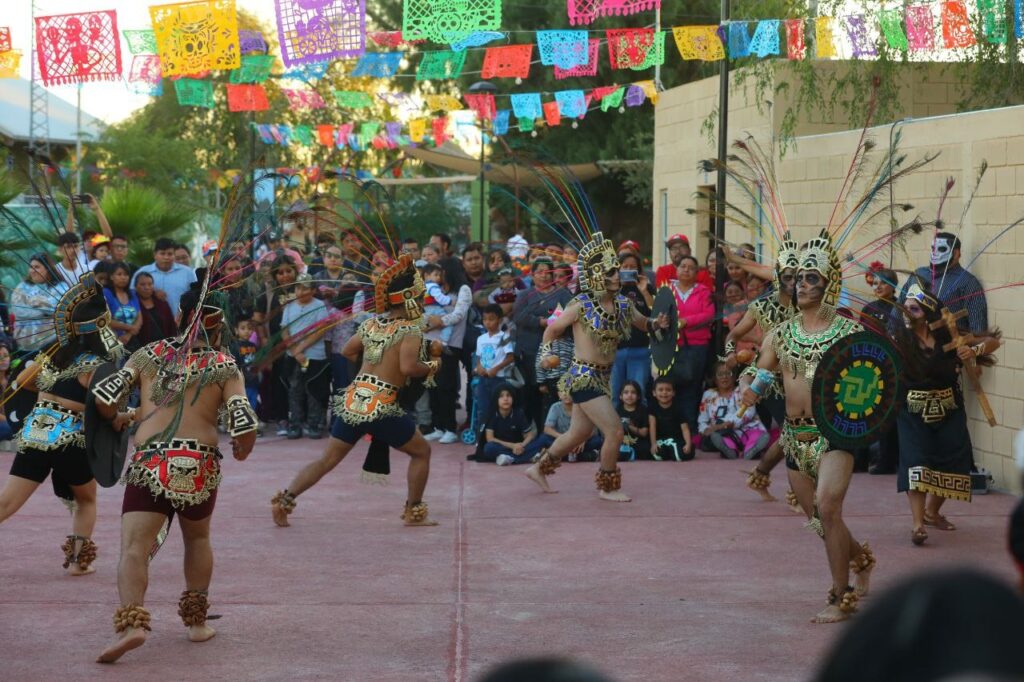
(920, 27)
(78, 48)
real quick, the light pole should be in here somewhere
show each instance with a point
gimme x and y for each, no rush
(483, 88)
(723, 152)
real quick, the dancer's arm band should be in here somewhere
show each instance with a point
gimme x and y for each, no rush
(762, 381)
(114, 389)
(544, 350)
(238, 417)
(730, 347)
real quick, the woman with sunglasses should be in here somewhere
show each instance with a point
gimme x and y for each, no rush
(935, 445)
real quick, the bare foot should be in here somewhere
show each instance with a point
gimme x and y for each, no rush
(862, 582)
(75, 569)
(614, 496)
(765, 495)
(280, 515)
(424, 522)
(132, 638)
(534, 474)
(830, 614)
(200, 633)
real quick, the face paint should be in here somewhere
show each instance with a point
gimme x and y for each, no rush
(942, 251)
(810, 287)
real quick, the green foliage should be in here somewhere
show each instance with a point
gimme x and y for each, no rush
(10, 187)
(143, 214)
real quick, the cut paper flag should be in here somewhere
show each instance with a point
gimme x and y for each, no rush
(78, 48)
(526, 105)
(392, 39)
(193, 37)
(512, 61)
(140, 41)
(478, 39)
(247, 98)
(571, 103)
(635, 48)
(377, 65)
(551, 115)
(699, 42)
(920, 27)
(891, 23)
(192, 92)
(447, 21)
(635, 96)
(145, 68)
(417, 129)
(993, 20)
(526, 125)
(325, 135)
(956, 25)
(586, 11)
(368, 131)
(861, 43)
(650, 90)
(353, 99)
(264, 132)
(308, 72)
(501, 120)
(5, 38)
(443, 103)
(439, 126)
(796, 49)
(10, 62)
(250, 42)
(587, 69)
(482, 104)
(600, 93)
(303, 100)
(320, 30)
(823, 37)
(303, 135)
(440, 65)
(1018, 19)
(565, 49)
(739, 40)
(255, 68)
(344, 131)
(766, 38)
(613, 99)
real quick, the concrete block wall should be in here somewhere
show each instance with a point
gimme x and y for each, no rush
(811, 174)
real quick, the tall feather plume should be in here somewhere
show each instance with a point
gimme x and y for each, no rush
(963, 217)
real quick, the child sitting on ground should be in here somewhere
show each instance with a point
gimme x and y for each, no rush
(669, 433)
(557, 423)
(721, 429)
(508, 430)
(635, 425)
(435, 300)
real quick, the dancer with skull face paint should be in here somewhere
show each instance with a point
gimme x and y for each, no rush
(52, 439)
(817, 471)
(767, 313)
(953, 285)
(391, 345)
(935, 445)
(600, 317)
(185, 384)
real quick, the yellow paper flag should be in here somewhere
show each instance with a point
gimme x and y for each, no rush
(823, 37)
(699, 42)
(443, 103)
(417, 129)
(650, 89)
(194, 37)
(10, 61)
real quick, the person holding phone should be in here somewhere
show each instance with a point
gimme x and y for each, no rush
(633, 359)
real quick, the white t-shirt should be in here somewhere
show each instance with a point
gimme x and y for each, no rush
(72, 276)
(491, 349)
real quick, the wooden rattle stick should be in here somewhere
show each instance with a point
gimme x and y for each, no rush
(436, 349)
(958, 340)
(745, 357)
(550, 362)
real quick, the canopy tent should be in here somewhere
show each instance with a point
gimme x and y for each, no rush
(453, 158)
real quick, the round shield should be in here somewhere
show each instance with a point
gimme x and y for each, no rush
(105, 447)
(856, 389)
(663, 349)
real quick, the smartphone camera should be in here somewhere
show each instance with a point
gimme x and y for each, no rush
(627, 275)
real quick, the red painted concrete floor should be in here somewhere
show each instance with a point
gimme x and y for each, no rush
(695, 580)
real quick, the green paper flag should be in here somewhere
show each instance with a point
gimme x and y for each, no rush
(613, 100)
(440, 65)
(304, 134)
(368, 131)
(255, 68)
(525, 125)
(194, 93)
(993, 20)
(353, 99)
(892, 28)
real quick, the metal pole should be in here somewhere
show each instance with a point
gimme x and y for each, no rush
(723, 152)
(657, 32)
(78, 144)
(484, 227)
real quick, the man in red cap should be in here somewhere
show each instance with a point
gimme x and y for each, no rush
(678, 246)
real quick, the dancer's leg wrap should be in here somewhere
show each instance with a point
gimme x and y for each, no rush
(548, 463)
(192, 607)
(131, 616)
(84, 556)
(608, 481)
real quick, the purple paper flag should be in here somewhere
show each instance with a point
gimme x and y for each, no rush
(320, 30)
(857, 29)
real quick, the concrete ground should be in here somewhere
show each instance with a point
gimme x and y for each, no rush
(695, 580)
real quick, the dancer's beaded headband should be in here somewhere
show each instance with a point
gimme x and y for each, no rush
(66, 328)
(409, 297)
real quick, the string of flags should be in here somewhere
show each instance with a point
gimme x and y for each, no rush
(188, 40)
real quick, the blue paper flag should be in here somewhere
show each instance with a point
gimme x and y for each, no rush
(564, 49)
(571, 103)
(739, 40)
(527, 105)
(377, 65)
(501, 121)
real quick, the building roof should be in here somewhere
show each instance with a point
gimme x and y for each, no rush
(15, 99)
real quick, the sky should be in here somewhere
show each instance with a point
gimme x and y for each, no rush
(108, 101)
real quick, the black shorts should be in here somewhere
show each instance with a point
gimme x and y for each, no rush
(68, 463)
(586, 395)
(395, 431)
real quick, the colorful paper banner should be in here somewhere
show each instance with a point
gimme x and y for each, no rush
(193, 37)
(78, 48)
(320, 31)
